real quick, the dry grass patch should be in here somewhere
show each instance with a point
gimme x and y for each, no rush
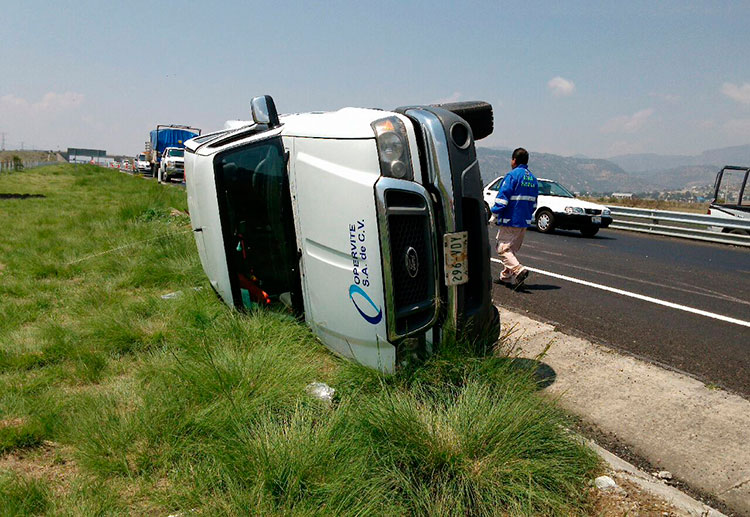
(50, 462)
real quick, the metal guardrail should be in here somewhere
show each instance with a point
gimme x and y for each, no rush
(681, 224)
(9, 166)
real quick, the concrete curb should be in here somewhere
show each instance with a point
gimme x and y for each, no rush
(680, 500)
(675, 422)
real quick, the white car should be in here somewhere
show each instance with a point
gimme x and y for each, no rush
(556, 207)
(141, 164)
(172, 164)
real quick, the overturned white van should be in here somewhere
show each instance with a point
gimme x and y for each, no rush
(369, 224)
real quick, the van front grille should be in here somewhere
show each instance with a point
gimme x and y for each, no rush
(410, 252)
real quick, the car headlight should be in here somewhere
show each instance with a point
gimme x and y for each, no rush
(606, 211)
(573, 210)
(393, 148)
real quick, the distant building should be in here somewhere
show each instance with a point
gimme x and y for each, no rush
(622, 195)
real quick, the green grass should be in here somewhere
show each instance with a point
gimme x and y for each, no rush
(155, 406)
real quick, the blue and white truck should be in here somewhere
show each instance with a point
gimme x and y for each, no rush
(165, 136)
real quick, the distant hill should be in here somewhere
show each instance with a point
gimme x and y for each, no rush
(679, 178)
(736, 155)
(578, 174)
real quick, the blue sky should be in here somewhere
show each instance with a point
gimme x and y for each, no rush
(593, 78)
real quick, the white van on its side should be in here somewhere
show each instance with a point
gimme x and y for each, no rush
(367, 223)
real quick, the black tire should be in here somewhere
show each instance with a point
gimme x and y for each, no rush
(487, 210)
(545, 221)
(589, 231)
(736, 231)
(477, 113)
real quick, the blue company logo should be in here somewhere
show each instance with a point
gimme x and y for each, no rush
(355, 289)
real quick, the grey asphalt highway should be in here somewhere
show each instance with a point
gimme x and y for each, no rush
(711, 279)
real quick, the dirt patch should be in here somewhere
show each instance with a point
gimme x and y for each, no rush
(11, 422)
(50, 462)
(628, 499)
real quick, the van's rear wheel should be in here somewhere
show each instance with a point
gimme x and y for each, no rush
(545, 221)
(488, 211)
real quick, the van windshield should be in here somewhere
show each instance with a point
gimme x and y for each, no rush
(256, 208)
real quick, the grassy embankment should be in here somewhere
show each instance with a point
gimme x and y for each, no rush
(654, 204)
(114, 400)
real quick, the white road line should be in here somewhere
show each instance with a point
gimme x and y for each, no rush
(639, 296)
(696, 290)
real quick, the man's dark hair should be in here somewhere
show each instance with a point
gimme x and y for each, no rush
(521, 156)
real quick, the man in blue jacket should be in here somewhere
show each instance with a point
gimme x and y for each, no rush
(514, 212)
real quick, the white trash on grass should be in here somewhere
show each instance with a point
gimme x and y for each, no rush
(321, 391)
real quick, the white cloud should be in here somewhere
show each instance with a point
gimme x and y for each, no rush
(561, 87)
(50, 102)
(668, 97)
(628, 123)
(736, 92)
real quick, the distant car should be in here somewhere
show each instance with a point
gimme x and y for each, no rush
(141, 164)
(556, 207)
(172, 164)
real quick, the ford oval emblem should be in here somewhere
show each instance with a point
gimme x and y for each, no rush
(412, 262)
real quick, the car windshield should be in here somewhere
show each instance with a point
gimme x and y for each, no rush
(142, 157)
(551, 188)
(176, 152)
(259, 228)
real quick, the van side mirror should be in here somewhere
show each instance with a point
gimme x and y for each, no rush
(264, 111)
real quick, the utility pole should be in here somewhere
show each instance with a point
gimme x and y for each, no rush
(21, 145)
(3, 133)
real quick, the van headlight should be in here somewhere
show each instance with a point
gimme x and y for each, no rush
(606, 211)
(573, 210)
(393, 148)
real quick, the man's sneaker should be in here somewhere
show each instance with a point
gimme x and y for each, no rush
(521, 277)
(502, 281)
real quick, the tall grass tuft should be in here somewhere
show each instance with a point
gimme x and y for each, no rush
(21, 496)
